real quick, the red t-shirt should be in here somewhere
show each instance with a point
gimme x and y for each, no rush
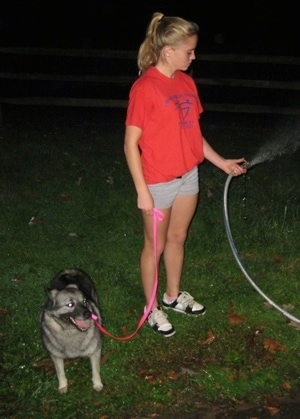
(167, 110)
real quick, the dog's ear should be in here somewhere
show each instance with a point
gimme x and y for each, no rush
(51, 293)
(49, 304)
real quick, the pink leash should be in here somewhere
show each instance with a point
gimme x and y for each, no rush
(157, 216)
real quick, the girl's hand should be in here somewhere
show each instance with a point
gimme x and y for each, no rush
(235, 166)
(145, 202)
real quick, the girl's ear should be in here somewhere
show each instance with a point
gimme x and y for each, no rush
(167, 51)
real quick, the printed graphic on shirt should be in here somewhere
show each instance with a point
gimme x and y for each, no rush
(183, 104)
(184, 107)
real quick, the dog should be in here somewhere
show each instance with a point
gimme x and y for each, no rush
(68, 331)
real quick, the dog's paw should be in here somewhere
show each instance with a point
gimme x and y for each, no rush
(63, 390)
(98, 386)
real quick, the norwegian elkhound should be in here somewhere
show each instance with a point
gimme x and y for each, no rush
(68, 330)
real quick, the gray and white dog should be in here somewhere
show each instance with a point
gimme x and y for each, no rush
(68, 330)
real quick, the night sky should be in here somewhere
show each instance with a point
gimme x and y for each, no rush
(254, 27)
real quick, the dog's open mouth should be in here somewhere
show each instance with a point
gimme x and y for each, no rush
(81, 325)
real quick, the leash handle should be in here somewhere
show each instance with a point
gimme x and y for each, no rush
(157, 216)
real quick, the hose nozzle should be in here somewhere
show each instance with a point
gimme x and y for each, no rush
(246, 164)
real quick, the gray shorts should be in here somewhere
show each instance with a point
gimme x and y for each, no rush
(164, 193)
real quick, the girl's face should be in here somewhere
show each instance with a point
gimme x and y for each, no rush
(181, 57)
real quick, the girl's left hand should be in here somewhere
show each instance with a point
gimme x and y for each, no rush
(235, 166)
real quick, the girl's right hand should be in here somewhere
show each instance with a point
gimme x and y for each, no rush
(145, 202)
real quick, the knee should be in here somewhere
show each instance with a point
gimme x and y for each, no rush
(159, 248)
(177, 238)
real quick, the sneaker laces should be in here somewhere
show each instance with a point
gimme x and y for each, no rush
(185, 299)
(160, 317)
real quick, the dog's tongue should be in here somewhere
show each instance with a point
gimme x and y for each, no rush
(82, 324)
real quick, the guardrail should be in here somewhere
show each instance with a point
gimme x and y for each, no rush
(102, 78)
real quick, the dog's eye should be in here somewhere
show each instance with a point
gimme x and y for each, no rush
(84, 302)
(70, 305)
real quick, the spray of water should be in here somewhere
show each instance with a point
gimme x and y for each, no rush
(275, 148)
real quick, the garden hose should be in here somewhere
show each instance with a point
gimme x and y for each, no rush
(236, 254)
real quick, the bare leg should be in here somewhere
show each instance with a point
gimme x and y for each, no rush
(148, 266)
(181, 215)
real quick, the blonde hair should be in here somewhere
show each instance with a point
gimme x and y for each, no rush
(163, 31)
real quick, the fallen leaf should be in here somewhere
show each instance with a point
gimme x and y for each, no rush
(272, 410)
(235, 318)
(48, 365)
(248, 255)
(267, 304)
(105, 357)
(142, 372)
(294, 325)
(42, 363)
(286, 385)
(273, 346)
(188, 371)
(278, 259)
(288, 307)
(46, 407)
(35, 221)
(173, 375)
(271, 401)
(45, 364)
(4, 310)
(210, 338)
(200, 405)
(65, 197)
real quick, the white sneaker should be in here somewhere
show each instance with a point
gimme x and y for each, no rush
(185, 304)
(159, 322)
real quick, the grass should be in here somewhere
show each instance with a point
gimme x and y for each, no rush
(67, 200)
